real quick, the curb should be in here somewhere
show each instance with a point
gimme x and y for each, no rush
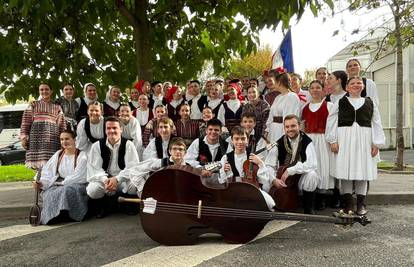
(395, 172)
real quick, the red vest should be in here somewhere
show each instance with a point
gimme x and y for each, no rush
(315, 122)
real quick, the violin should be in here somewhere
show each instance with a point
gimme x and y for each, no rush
(176, 208)
(250, 169)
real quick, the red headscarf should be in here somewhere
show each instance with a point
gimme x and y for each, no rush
(170, 93)
(138, 85)
(280, 70)
(238, 92)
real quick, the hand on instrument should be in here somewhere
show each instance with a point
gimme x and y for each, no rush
(374, 150)
(285, 175)
(255, 159)
(278, 183)
(205, 173)
(335, 148)
(37, 185)
(227, 167)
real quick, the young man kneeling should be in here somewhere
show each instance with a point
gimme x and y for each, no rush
(232, 164)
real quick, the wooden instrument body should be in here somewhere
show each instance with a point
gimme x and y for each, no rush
(182, 186)
(287, 198)
(250, 173)
(35, 210)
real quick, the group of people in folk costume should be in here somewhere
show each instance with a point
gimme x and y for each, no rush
(329, 135)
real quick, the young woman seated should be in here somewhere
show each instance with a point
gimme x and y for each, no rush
(63, 182)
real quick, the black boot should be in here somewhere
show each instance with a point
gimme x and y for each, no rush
(335, 199)
(361, 205)
(101, 209)
(320, 201)
(308, 202)
(348, 203)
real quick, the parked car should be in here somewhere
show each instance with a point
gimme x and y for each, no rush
(12, 154)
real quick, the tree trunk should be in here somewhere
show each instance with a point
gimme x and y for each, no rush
(139, 21)
(142, 41)
(399, 96)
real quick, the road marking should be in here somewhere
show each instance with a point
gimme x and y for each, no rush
(26, 229)
(191, 255)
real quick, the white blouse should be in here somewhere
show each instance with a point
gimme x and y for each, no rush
(132, 131)
(142, 116)
(67, 170)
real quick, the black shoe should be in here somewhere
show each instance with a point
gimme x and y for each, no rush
(361, 205)
(320, 201)
(308, 202)
(348, 203)
(101, 209)
(335, 201)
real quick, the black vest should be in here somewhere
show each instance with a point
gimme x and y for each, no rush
(83, 110)
(216, 109)
(88, 131)
(204, 154)
(158, 147)
(106, 154)
(229, 114)
(230, 160)
(202, 101)
(282, 152)
(253, 141)
(347, 115)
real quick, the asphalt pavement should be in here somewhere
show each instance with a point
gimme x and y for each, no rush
(119, 240)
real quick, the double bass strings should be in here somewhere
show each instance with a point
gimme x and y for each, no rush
(229, 212)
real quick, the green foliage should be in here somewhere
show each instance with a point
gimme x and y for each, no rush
(252, 65)
(15, 173)
(45, 40)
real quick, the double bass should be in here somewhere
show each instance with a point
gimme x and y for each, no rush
(177, 207)
(287, 198)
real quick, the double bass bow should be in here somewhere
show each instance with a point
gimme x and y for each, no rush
(177, 208)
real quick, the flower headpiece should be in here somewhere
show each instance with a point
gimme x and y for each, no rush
(138, 85)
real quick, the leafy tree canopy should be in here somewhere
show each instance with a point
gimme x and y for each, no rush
(49, 40)
(252, 65)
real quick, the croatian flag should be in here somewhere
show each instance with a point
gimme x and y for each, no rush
(283, 56)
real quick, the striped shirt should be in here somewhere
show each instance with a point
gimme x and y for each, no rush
(188, 130)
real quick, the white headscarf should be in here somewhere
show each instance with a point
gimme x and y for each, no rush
(108, 100)
(87, 100)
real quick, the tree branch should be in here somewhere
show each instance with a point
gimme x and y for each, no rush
(132, 20)
(379, 50)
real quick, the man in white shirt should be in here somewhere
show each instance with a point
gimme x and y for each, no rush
(296, 150)
(108, 159)
(158, 146)
(197, 101)
(209, 149)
